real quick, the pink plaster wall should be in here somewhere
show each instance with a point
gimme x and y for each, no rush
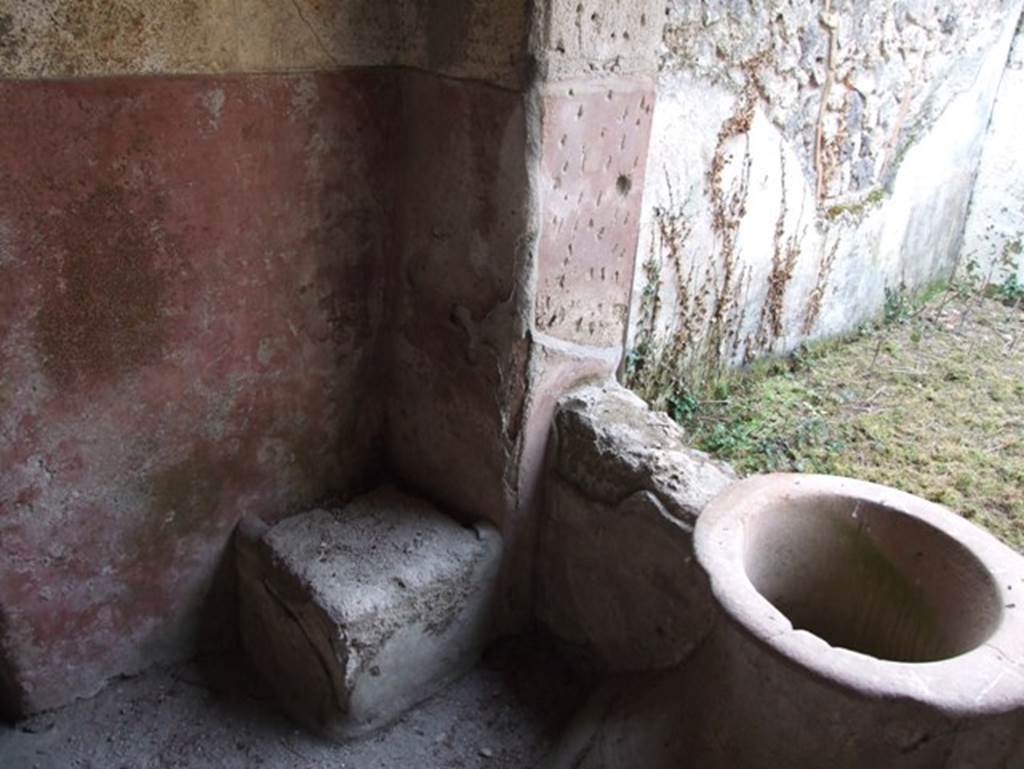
(191, 278)
(234, 295)
(458, 348)
(594, 156)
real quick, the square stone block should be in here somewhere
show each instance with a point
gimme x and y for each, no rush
(355, 614)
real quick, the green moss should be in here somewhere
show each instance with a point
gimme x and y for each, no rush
(858, 207)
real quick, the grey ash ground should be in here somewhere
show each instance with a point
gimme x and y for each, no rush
(215, 712)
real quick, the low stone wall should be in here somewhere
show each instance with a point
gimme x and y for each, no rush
(617, 580)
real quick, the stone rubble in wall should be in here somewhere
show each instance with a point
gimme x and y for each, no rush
(598, 38)
(896, 67)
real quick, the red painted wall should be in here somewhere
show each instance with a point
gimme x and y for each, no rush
(454, 403)
(191, 277)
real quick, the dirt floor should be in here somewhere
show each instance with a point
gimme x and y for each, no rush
(929, 400)
(506, 714)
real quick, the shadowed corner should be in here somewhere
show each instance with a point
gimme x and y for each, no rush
(12, 702)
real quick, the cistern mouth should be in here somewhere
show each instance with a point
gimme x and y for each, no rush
(869, 578)
(860, 567)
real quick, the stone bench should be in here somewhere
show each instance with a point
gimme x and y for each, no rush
(355, 614)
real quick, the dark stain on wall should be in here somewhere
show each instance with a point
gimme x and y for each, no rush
(11, 695)
(184, 500)
(100, 318)
(814, 301)
(9, 41)
(785, 253)
(447, 31)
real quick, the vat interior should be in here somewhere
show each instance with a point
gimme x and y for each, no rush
(871, 579)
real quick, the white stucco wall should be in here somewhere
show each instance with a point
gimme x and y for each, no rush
(994, 238)
(769, 219)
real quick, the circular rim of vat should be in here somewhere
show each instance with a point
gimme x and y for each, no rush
(988, 679)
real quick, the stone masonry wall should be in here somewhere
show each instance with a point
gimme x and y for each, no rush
(806, 161)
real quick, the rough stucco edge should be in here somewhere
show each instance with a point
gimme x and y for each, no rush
(1008, 37)
(517, 604)
(1004, 43)
(385, 70)
(633, 300)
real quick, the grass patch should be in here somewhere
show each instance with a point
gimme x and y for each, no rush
(930, 401)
